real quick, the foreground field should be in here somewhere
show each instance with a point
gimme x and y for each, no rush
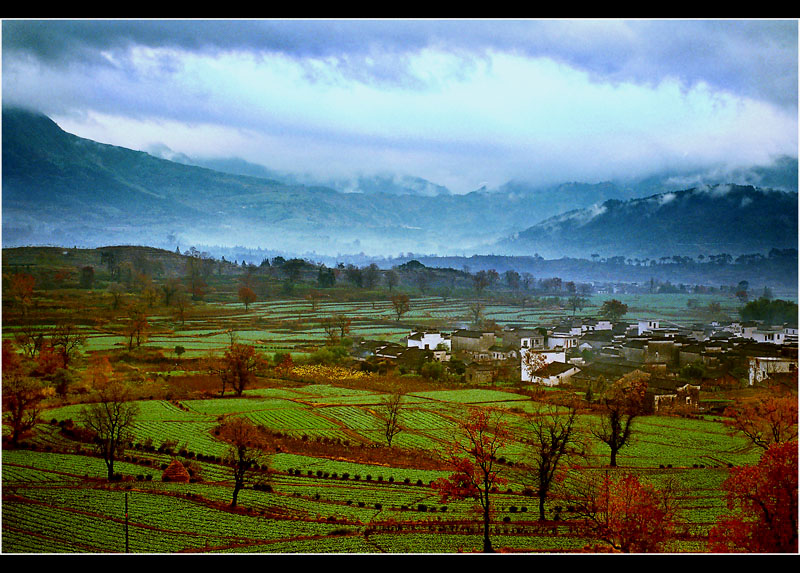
(56, 499)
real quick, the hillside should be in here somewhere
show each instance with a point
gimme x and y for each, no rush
(729, 219)
(60, 189)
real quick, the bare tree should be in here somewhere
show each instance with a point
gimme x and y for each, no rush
(66, 339)
(392, 405)
(621, 404)
(110, 417)
(553, 439)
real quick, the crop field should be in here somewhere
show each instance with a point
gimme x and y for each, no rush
(329, 481)
(57, 500)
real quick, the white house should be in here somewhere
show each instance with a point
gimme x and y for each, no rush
(648, 326)
(547, 357)
(762, 366)
(554, 373)
(428, 340)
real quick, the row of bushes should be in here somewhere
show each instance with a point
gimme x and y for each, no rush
(346, 476)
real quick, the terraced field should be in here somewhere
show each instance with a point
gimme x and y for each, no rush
(56, 500)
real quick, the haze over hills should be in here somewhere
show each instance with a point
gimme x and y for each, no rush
(708, 220)
(62, 189)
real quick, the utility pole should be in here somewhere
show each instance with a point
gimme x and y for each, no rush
(127, 547)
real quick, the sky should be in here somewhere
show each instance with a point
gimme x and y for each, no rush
(462, 103)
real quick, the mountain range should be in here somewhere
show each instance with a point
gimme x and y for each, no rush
(62, 189)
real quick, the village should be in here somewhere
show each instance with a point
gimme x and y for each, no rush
(586, 353)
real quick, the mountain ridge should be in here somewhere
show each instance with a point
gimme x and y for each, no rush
(59, 188)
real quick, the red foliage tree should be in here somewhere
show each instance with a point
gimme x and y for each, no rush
(770, 419)
(763, 498)
(247, 296)
(238, 367)
(476, 469)
(630, 516)
(22, 394)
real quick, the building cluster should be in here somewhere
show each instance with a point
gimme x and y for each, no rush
(588, 353)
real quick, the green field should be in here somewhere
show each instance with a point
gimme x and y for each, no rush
(56, 500)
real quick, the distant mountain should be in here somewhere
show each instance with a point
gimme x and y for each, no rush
(732, 219)
(60, 189)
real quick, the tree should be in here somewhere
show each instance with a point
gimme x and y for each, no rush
(246, 296)
(576, 302)
(401, 304)
(763, 498)
(181, 302)
(775, 311)
(474, 459)
(169, 288)
(247, 445)
(371, 275)
(532, 362)
(22, 394)
(480, 280)
(117, 292)
(613, 310)
(66, 339)
(623, 402)
(336, 327)
(769, 419)
(238, 367)
(111, 416)
(476, 309)
(391, 406)
(392, 279)
(628, 515)
(552, 438)
(21, 289)
(512, 279)
(87, 277)
(136, 327)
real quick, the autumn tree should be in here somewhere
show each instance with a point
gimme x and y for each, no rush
(238, 367)
(66, 338)
(763, 499)
(137, 326)
(627, 514)
(621, 404)
(336, 327)
(769, 419)
(21, 289)
(246, 296)
(169, 288)
(117, 292)
(22, 394)
(401, 304)
(112, 414)
(181, 302)
(552, 439)
(474, 458)
(480, 281)
(247, 447)
(613, 310)
(391, 406)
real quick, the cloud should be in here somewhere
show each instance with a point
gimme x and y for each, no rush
(458, 102)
